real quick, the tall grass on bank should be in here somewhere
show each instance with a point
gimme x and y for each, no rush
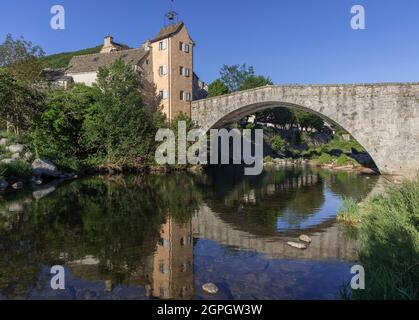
(349, 212)
(389, 244)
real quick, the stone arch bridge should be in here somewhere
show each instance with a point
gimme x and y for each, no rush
(383, 118)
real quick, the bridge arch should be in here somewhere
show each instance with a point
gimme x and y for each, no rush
(383, 118)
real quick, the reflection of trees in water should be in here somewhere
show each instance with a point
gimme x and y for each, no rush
(348, 184)
(115, 220)
(255, 203)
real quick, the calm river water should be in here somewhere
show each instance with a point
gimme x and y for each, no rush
(163, 237)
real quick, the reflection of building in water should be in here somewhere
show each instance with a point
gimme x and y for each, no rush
(167, 274)
(172, 276)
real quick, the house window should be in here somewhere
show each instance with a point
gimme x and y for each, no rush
(163, 45)
(163, 94)
(184, 71)
(184, 47)
(162, 70)
(185, 96)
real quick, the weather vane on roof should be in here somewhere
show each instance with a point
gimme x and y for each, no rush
(172, 15)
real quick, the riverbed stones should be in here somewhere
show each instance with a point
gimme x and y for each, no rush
(37, 181)
(3, 185)
(16, 156)
(305, 238)
(16, 148)
(7, 161)
(4, 141)
(17, 185)
(45, 168)
(29, 156)
(210, 288)
(297, 245)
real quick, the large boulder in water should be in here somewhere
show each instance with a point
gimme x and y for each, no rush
(45, 168)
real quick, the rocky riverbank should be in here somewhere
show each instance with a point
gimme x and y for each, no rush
(306, 162)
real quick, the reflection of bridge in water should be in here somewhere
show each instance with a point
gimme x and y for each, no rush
(327, 243)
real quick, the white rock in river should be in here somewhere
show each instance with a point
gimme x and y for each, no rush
(305, 238)
(3, 141)
(210, 288)
(297, 245)
(16, 156)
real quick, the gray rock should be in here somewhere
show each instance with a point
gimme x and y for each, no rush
(17, 185)
(45, 168)
(4, 141)
(39, 194)
(29, 156)
(15, 207)
(297, 245)
(305, 238)
(16, 148)
(16, 156)
(3, 184)
(210, 288)
(7, 161)
(37, 181)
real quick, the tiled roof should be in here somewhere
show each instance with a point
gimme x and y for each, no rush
(168, 31)
(92, 62)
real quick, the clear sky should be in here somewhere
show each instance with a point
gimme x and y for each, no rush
(291, 41)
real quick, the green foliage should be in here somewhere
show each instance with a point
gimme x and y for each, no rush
(235, 76)
(278, 116)
(118, 128)
(21, 59)
(254, 82)
(18, 169)
(19, 102)
(389, 246)
(345, 146)
(268, 159)
(217, 88)
(308, 120)
(344, 160)
(349, 212)
(324, 158)
(58, 135)
(278, 144)
(61, 60)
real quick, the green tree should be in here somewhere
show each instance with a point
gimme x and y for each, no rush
(235, 76)
(254, 82)
(22, 59)
(58, 135)
(119, 130)
(217, 88)
(19, 103)
(278, 116)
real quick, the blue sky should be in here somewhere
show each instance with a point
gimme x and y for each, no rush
(291, 41)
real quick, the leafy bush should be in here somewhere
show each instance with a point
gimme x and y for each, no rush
(344, 160)
(58, 134)
(389, 246)
(349, 212)
(19, 169)
(324, 158)
(278, 144)
(268, 159)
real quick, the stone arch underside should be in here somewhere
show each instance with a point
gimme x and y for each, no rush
(383, 118)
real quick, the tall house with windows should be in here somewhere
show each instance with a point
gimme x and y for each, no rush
(172, 51)
(166, 63)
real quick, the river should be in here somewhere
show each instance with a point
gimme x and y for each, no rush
(163, 237)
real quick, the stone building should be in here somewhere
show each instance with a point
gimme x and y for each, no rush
(166, 62)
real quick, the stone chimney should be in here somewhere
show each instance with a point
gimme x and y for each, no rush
(108, 41)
